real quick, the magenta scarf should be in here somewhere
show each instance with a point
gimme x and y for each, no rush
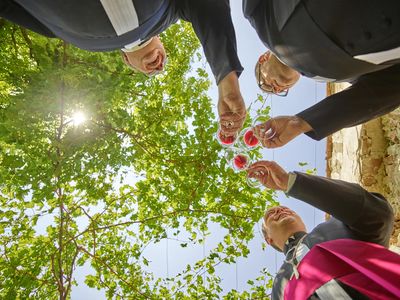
(367, 267)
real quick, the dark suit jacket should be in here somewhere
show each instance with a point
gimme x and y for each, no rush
(86, 25)
(356, 214)
(321, 39)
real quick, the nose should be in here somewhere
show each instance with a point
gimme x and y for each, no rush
(160, 67)
(276, 87)
(275, 211)
(282, 209)
(273, 84)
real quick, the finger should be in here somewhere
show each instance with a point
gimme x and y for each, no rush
(262, 165)
(268, 143)
(226, 139)
(270, 133)
(260, 175)
(269, 124)
(256, 175)
(275, 167)
(229, 131)
(272, 129)
(263, 170)
(257, 164)
(257, 172)
(231, 125)
(231, 116)
(253, 172)
(272, 143)
(259, 131)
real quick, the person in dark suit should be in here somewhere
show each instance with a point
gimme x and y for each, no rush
(133, 26)
(353, 41)
(357, 216)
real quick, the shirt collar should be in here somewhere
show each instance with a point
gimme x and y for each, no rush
(135, 46)
(292, 241)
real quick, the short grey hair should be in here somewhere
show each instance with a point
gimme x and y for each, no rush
(264, 231)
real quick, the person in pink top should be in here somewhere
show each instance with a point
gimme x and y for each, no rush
(345, 257)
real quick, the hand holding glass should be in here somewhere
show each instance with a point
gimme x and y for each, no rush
(239, 160)
(225, 141)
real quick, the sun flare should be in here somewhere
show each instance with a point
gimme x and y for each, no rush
(78, 118)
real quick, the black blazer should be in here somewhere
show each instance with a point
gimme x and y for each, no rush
(320, 39)
(86, 25)
(356, 214)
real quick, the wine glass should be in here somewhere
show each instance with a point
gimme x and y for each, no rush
(225, 141)
(239, 161)
(247, 138)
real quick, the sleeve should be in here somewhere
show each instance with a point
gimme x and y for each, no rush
(368, 215)
(371, 95)
(212, 23)
(15, 13)
(291, 180)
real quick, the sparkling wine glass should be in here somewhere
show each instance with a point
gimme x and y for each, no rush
(225, 141)
(247, 138)
(239, 161)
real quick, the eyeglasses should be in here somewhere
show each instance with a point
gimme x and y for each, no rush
(267, 88)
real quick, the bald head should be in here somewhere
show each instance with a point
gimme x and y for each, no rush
(149, 59)
(279, 223)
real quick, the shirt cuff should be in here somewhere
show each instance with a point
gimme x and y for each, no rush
(291, 180)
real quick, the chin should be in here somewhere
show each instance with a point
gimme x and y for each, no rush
(287, 220)
(295, 78)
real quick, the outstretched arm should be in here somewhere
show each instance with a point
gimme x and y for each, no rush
(368, 215)
(279, 131)
(231, 107)
(13, 12)
(372, 95)
(212, 23)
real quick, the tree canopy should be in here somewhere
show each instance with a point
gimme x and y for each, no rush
(143, 167)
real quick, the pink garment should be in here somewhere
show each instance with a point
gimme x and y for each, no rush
(367, 267)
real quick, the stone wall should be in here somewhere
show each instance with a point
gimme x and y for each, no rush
(369, 154)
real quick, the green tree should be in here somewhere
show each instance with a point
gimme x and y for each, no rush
(143, 167)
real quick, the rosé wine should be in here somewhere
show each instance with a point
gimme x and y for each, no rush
(240, 161)
(250, 139)
(226, 140)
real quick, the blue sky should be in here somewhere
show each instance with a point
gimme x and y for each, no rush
(167, 258)
(302, 149)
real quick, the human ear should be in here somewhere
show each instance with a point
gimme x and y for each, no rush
(263, 58)
(125, 58)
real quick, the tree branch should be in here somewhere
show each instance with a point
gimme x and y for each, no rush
(14, 41)
(69, 276)
(127, 223)
(111, 270)
(29, 43)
